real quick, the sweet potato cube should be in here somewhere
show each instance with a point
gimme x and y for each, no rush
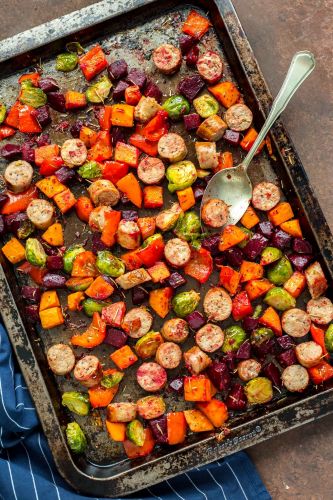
(147, 226)
(195, 25)
(74, 300)
(271, 319)
(257, 288)
(292, 227)
(116, 430)
(51, 317)
(14, 251)
(251, 271)
(93, 62)
(197, 421)
(250, 218)
(130, 186)
(231, 236)
(65, 200)
(99, 289)
(125, 153)
(197, 388)
(295, 284)
(75, 99)
(226, 93)
(216, 411)
(123, 357)
(159, 272)
(54, 235)
(45, 152)
(176, 427)
(229, 279)
(186, 198)
(122, 115)
(88, 136)
(49, 299)
(160, 301)
(153, 196)
(281, 213)
(50, 186)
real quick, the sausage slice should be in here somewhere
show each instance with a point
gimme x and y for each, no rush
(169, 355)
(238, 117)
(133, 278)
(309, 353)
(265, 196)
(88, 371)
(296, 322)
(209, 338)
(146, 109)
(248, 369)
(121, 412)
(18, 176)
(128, 234)
(73, 152)
(215, 213)
(103, 192)
(320, 310)
(316, 280)
(217, 304)
(137, 322)
(61, 359)
(295, 378)
(40, 213)
(151, 170)
(151, 407)
(175, 330)
(151, 377)
(196, 360)
(177, 252)
(172, 147)
(210, 66)
(206, 154)
(167, 58)
(98, 217)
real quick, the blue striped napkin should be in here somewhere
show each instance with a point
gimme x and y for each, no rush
(27, 470)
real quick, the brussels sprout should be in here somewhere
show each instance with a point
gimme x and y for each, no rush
(150, 239)
(206, 105)
(74, 48)
(3, 111)
(90, 170)
(181, 175)
(234, 336)
(249, 234)
(136, 432)
(147, 345)
(25, 229)
(257, 311)
(329, 338)
(188, 226)
(75, 438)
(79, 284)
(176, 106)
(110, 265)
(280, 272)
(184, 303)
(35, 253)
(90, 306)
(280, 299)
(111, 380)
(99, 91)
(66, 62)
(77, 402)
(32, 96)
(69, 257)
(259, 390)
(260, 335)
(270, 255)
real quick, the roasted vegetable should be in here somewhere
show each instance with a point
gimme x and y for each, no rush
(15, 252)
(77, 402)
(280, 299)
(75, 438)
(136, 432)
(33, 96)
(329, 338)
(99, 91)
(259, 390)
(261, 335)
(35, 253)
(176, 106)
(270, 255)
(206, 105)
(185, 303)
(234, 336)
(280, 272)
(109, 381)
(110, 265)
(90, 170)
(66, 62)
(90, 306)
(147, 345)
(180, 175)
(70, 255)
(188, 226)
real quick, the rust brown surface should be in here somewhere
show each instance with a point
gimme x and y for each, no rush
(297, 464)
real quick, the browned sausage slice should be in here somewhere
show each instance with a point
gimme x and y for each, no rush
(239, 117)
(133, 278)
(265, 196)
(175, 330)
(296, 322)
(217, 304)
(169, 355)
(295, 378)
(248, 369)
(167, 58)
(18, 176)
(309, 353)
(320, 310)
(215, 213)
(196, 360)
(121, 412)
(172, 147)
(137, 322)
(151, 170)
(206, 154)
(316, 280)
(151, 407)
(210, 66)
(73, 152)
(177, 252)
(61, 359)
(103, 192)
(98, 217)
(209, 338)
(151, 377)
(40, 213)
(88, 371)
(128, 234)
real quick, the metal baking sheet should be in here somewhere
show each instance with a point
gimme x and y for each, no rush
(104, 470)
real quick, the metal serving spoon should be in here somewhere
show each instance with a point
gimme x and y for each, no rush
(233, 185)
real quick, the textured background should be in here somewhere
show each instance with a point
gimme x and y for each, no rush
(298, 463)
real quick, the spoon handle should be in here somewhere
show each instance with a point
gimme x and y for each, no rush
(301, 66)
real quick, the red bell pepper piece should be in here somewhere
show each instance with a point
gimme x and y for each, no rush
(104, 117)
(6, 131)
(321, 372)
(102, 149)
(33, 77)
(114, 171)
(93, 336)
(12, 118)
(131, 260)
(200, 266)
(27, 121)
(156, 127)
(241, 306)
(110, 228)
(93, 62)
(114, 314)
(248, 140)
(132, 95)
(152, 253)
(75, 100)
(19, 202)
(35, 273)
(318, 336)
(51, 165)
(148, 147)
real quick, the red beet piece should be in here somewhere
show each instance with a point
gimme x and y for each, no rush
(76, 128)
(31, 293)
(287, 358)
(117, 69)
(244, 351)
(232, 137)
(198, 192)
(249, 324)
(236, 399)
(54, 280)
(139, 295)
(97, 243)
(115, 337)
(255, 246)
(195, 320)
(43, 140)
(186, 42)
(32, 313)
(301, 246)
(280, 239)
(28, 151)
(266, 229)
(191, 121)
(218, 373)
(48, 84)
(300, 261)
(43, 116)
(13, 221)
(65, 174)
(177, 385)
(11, 151)
(175, 280)
(285, 342)
(234, 257)
(159, 429)
(2, 225)
(271, 371)
(190, 86)
(152, 90)
(137, 77)
(129, 215)
(192, 56)
(57, 101)
(54, 263)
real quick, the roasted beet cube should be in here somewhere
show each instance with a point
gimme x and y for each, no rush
(177, 385)
(195, 320)
(139, 295)
(218, 373)
(234, 257)
(232, 137)
(192, 56)
(300, 261)
(249, 324)
(32, 313)
(255, 246)
(53, 280)
(48, 84)
(14, 221)
(11, 151)
(265, 228)
(43, 140)
(159, 429)
(287, 358)
(285, 342)
(220, 260)
(236, 399)
(119, 90)
(97, 243)
(129, 215)
(65, 174)
(266, 347)
(43, 116)
(186, 42)
(32, 293)
(2, 225)
(117, 69)
(117, 135)
(57, 101)
(54, 262)
(137, 77)
(211, 243)
(198, 192)
(152, 90)
(191, 121)
(28, 151)
(75, 128)
(271, 371)
(115, 337)
(244, 351)
(175, 280)
(301, 246)
(190, 86)
(280, 239)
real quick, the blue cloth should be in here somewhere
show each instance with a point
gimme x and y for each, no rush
(27, 470)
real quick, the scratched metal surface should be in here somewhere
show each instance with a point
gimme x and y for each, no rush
(134, 39)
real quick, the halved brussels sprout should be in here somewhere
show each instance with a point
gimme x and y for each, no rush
(280, 272)
(35, 253)
(77, 402)
(110, 265)
(111, 380)
(90, 170)
(280, 299)
(206, 105)
(99, 91)
(66, 62)
(3, 111)
(176, 106)
(136, 432)
(69, 257)
(260, 335)
(270, 255)
(147, 345)
(234, 336)
(184, 303)
(259, 390)
(181, 175)
(329, 338)
(90, 306)
(32, 96)
(188, 227)
(75, 438)
(25, 229)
